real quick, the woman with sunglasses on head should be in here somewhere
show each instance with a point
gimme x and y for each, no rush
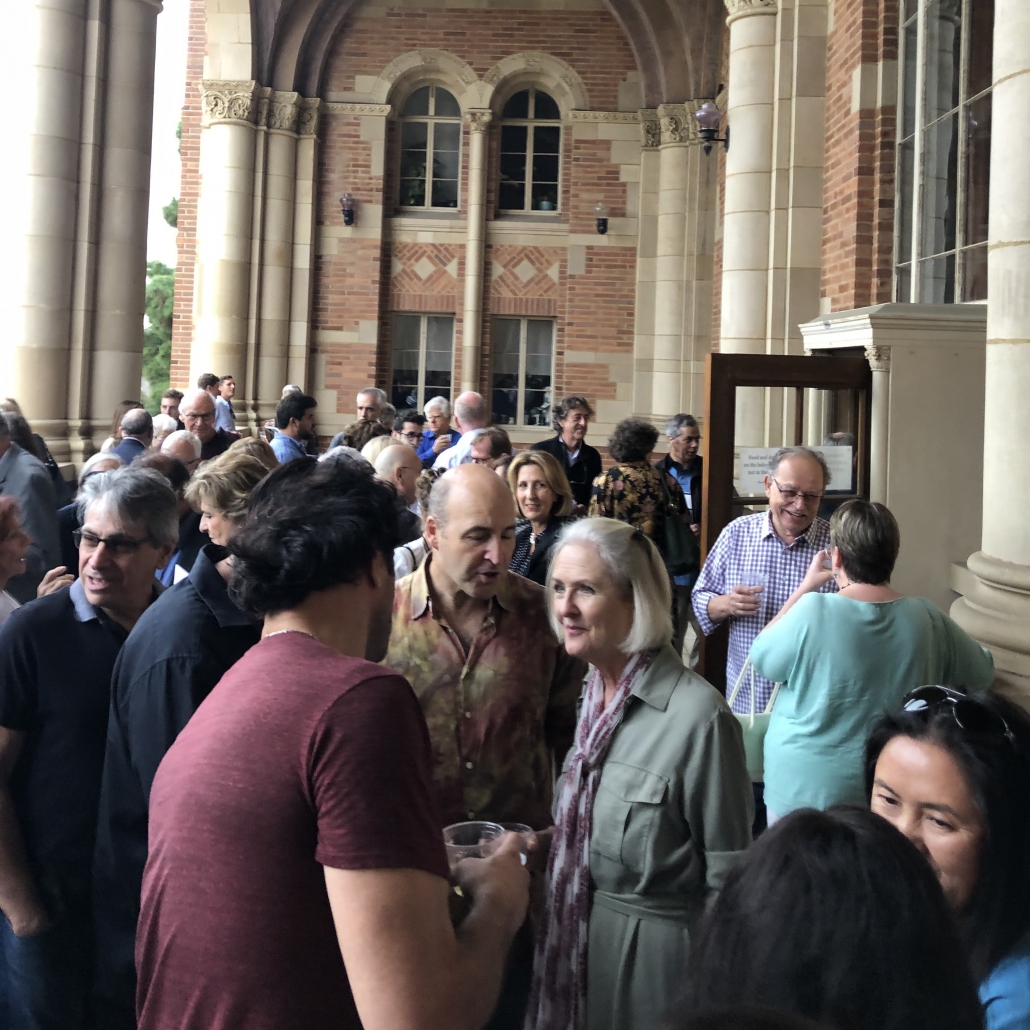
(952, 772)
(843, 659)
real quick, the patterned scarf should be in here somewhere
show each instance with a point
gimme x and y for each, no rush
(558, 1001)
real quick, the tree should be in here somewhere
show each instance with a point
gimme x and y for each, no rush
(157, 336)
(171, 212)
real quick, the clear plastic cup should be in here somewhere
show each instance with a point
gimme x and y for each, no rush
(469, 840)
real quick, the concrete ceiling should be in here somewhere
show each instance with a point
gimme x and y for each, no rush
(677, 43)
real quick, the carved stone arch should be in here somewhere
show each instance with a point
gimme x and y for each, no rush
(535, 68)
(418, 67)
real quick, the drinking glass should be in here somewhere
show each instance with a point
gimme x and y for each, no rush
(469, 840)
(752, 578)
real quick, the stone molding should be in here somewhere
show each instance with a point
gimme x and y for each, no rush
(879, 357)
(479, 119)
(308, 117)
(283, 112)
(742, 8)
(650, 129)
(678, 125)
(416, 65)
(623, 117)
(226, 100)
(544, 69)
(363, 110)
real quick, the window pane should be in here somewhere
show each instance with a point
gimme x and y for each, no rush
(445, 193)
(545, 107)
(944, 52)
(513, 168)
(545, 168)
(517, 106)
(978, 169)
(504, 345)
(445, 165)
(937, 280)
(908, 104)
(413, 193)
(446, 105)
(404, 392)
(974, 273)
(439, 345)
(539, 352)
(545, 196)
(906, 191)
(512, 196)
(546, 139)
(903, 284)
(940, 182)
(418, 102)
(414, 135)
(513, 139)
(446, 136)
(413, 164)
(981, 41)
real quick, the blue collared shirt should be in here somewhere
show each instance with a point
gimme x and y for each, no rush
(746, 546)
(425, 448)
(287, 448)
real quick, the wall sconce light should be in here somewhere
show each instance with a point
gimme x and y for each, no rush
(708, 118)
(601, 214)
(348, 205)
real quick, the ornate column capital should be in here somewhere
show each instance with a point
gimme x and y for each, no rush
(678, 124)
(308, 116)
(224, 100)
(650, 129)
(879, 358)
(479, 118)
(740, 8)
(283, 111)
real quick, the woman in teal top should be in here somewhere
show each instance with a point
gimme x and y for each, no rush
(845, 659)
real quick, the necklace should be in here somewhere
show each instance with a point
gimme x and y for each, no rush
(280, 632)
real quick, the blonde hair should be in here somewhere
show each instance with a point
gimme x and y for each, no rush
(256, 447)
(554, 476)
(635, 567)
(225, 483)
(371, 451)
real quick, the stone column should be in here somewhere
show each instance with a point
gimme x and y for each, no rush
(879, 359)
(36, 365)
(677, 127)
(475, 244)
(997, 608)
(277, 251)
(224, 228)
(647, 251)
(121, 260)
(745, 261)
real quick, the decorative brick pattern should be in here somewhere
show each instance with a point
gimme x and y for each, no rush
(524, 271)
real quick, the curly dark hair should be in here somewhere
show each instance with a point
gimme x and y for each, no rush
(633, 439)
(310, 526)
(565, 405)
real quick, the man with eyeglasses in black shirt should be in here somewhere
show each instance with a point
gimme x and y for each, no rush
(56, 659)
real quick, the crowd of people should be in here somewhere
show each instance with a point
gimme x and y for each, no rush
(246, 683)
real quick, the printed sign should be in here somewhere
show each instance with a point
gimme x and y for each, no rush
(753, 463)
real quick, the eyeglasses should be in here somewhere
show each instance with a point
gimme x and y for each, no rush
(193, 416)
(968, 713)
(117, 546)
(793, 495)
(414, 437)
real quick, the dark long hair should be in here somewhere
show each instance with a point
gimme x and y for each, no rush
(997, 771)
(835, 916)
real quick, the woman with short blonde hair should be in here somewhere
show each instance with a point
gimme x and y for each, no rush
(220, 489)
(543, 501)
(655, 801)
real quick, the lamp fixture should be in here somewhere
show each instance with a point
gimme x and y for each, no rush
(348, 205)
(708, 119)
(601, 214)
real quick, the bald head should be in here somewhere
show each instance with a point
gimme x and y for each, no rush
(471, 528)
(184, 446)
(399, 466)
(471, 411)
(197, 411)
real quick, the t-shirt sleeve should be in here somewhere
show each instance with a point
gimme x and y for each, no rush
(18, 673)
(371, 782)
(776, 649)
(970, 665)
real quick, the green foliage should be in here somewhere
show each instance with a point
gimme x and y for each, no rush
(171, 212)
(157, 336)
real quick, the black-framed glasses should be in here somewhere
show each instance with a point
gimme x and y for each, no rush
(793, 495)
(198, 416)
(118, 546)
(414, 437)
(970, 715)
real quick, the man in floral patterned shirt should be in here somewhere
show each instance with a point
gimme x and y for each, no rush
(498, 691)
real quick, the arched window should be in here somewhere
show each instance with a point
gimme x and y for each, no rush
(430, 149)
(530, 153)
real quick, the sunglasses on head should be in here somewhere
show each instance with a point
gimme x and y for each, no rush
(969, 714)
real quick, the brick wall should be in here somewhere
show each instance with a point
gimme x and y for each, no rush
(858, 216)
(189, 192)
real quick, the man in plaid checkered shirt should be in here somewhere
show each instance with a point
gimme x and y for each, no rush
(778, 544)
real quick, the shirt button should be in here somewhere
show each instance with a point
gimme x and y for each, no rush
(468, 765)
(471, 815)
(468, 715)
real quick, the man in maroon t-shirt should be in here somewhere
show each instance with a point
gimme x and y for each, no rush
(296, 875)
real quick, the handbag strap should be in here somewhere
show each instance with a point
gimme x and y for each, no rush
(740, 680)
(772, 698)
